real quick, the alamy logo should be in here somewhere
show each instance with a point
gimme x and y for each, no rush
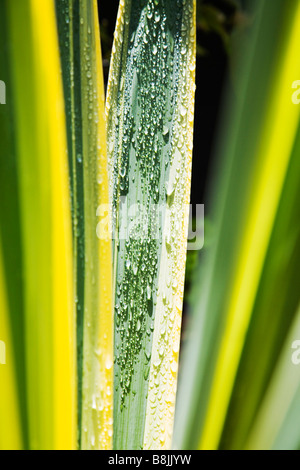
(2, 353)
(2, 92)
(139, 222)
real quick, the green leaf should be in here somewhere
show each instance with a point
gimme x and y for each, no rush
(150, 107)
(238, 282)
(276, 425)
(84, 96)
(13, 409)
(39, 277)
(276, 302)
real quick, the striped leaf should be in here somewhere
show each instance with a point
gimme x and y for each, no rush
(150, 106)
(273, 312)
(246, 292)
(84, 96)
(38, 277)
(11, 309)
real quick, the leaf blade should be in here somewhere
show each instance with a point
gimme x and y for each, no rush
(145, 109)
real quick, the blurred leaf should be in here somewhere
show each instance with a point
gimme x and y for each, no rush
(277, 423)
(255, 154)
(276, 301)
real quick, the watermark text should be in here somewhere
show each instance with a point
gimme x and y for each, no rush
(154, 222)
(296, 94)
(296, 353)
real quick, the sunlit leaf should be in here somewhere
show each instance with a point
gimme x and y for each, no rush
(255, 154)
(41, 227)
(84, 95)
